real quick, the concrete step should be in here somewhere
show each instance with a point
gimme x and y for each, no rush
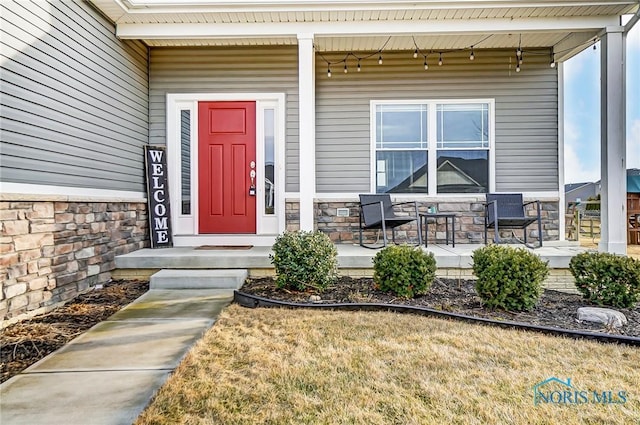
(198, 279)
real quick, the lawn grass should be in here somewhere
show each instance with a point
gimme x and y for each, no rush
(281, 366)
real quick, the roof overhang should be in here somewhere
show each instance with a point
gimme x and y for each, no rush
(365, 25)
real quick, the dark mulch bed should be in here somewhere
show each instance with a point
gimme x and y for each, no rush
(554, 309)
(26, 342)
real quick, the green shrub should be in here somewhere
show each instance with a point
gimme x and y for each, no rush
(404, 270)
(508, 278)
(607, 279)
(304, 260)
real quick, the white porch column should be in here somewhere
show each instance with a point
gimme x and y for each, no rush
(562, 204)
(307, 128)
(613, 143)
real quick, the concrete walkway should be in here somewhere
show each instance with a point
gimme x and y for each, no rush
(108, 375)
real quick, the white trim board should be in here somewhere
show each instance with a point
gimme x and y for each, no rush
(38, 192)
(551, 195)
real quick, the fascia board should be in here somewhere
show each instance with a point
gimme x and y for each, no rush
(199, 6)
(230, 30)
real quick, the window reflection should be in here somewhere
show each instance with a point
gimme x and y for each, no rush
(401, 126)
(463, 125)
(401, 171)
(185, 155)
(463, 171)
(269, 161)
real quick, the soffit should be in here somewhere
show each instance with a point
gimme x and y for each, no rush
(382, 14)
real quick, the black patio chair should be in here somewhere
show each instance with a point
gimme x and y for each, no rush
(377, 212)
(507, 211)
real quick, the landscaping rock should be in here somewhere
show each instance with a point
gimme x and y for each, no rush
(606, 316)
(315, 298)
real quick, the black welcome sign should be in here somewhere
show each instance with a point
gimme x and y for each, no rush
(158, 195)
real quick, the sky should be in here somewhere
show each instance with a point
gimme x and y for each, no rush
(582, 111)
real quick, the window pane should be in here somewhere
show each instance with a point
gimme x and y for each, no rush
(401, 126)
(462, 171)
(269, 161)
(185, 156)
(463, 125)
(401, 172)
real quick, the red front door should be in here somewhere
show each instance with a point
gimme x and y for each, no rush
(226, 153)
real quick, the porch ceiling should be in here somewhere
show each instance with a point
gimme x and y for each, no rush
(359, 25)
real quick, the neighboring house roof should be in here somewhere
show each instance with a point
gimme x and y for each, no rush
(450, 173)
(633, 180)
(573, 186)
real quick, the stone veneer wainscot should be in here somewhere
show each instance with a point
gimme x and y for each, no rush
(54, 248)
(469, 221)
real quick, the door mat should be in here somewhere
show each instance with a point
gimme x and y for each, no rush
(224, 247)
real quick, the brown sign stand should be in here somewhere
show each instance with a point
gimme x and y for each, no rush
(155, 158)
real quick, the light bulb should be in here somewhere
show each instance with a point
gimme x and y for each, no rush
(519, 52)
(328, 72)
(415, 54)
(472, 56)
(380, 60)
(345, 68)
(552, 64)
(440, 60)
(518, 68)
(426, 65)
(358, 66)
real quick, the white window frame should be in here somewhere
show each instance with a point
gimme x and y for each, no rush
(187, 224)
(432, 147)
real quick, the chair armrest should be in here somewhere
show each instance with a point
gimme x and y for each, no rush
(404, 203)
(413, 203)
(370, 203)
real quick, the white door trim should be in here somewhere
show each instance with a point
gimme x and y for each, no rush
(186, 224)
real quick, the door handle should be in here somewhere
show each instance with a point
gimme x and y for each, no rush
(252, 174)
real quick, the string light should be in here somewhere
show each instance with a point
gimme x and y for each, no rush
(519, 55)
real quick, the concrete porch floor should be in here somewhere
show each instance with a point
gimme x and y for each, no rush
(558, 254)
